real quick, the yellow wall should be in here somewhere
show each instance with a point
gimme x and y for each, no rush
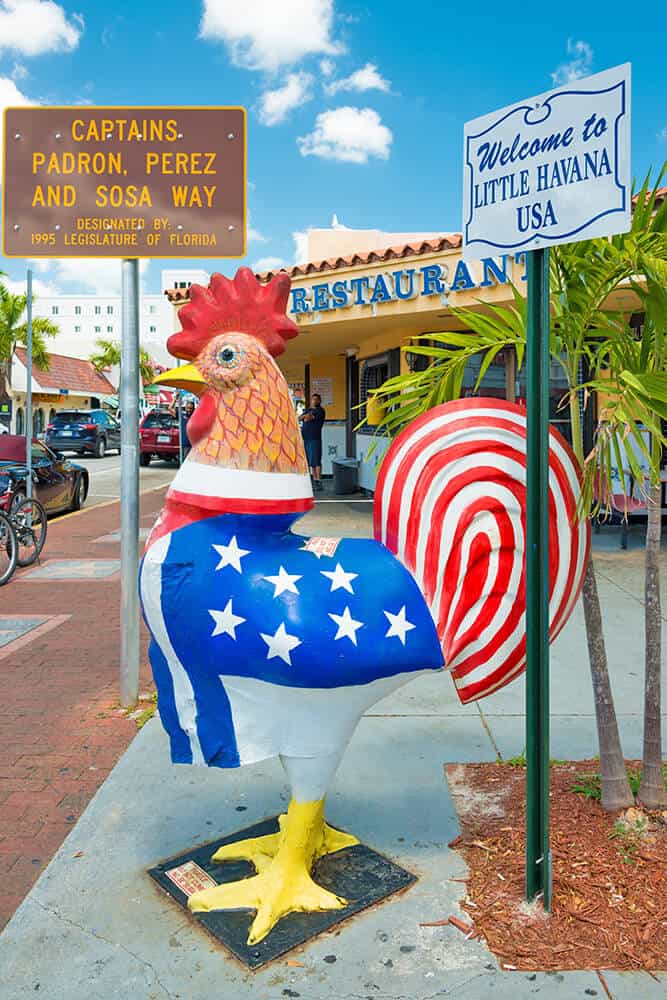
(332, 367)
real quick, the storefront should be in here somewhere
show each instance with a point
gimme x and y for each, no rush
(68, 384)
(358, 314)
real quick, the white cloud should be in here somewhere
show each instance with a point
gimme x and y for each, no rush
(348, 134)
(40, 289)
(101, 277)
(19, 72)
(269, 264)
(662, 135)
(276, 104)
(300, 247)
(579, 65)
(42, 264)
(366, 78)
(33, 27)
(327, 66)
(266, 36)
(253, 235)
(11, 96)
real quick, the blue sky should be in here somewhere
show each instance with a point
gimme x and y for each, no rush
(353, 108)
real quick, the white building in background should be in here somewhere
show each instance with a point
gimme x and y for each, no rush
(83, 319)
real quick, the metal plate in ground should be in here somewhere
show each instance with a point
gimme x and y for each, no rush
(356, 873)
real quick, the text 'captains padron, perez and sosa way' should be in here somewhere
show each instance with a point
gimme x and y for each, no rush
(124, 182)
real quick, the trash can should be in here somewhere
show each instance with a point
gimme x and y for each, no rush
(345, 475)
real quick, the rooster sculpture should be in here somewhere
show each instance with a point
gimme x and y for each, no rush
(266, 643)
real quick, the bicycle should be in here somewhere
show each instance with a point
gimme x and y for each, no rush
(28, 519)
(8, 548)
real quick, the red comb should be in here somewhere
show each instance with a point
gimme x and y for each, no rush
(242, 305)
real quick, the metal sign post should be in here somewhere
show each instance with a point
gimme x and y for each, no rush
(28, 389)
(129, 484)
(538, 854)
(551, 169)
(165, 182)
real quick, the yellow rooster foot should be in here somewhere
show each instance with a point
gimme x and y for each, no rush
(283, 862)
(260, 851)
(273, 894)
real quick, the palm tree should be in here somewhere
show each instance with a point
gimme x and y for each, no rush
(14, 330)
(108, 354)
(583, 275)
(639, 398)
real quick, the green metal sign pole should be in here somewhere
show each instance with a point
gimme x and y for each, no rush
(538, 854)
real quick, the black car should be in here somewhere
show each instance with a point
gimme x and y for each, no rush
(57, 483)
(82, 431)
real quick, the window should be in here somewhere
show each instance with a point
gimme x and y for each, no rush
(152, 309)
(38, 424)
(374, 374)
(77, 329)
(109, 310)
(20, 425)
(152, 329)
(98, 329)
(77, 310)
(98, 310)
(109, 329)
(54, 310)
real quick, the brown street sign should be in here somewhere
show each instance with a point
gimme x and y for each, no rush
(124, 182)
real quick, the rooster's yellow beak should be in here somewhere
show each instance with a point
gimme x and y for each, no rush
(186, 377)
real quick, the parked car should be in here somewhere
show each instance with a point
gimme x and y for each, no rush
(58, 484)
(158, 437)
(83, 431)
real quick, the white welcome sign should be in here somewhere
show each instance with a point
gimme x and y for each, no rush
(552, 169)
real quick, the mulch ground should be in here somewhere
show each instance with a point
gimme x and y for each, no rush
(61, 730)
(609, 907)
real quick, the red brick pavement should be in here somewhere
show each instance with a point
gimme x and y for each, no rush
(61, 730)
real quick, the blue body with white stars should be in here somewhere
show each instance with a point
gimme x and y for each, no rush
(267, 643)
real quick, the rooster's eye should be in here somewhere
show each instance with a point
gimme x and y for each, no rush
(227, 357)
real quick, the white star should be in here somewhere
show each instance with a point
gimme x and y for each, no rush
(398, 625)
(284, 581)
(347, 626)
(280, 644)
(226, 621)
(339, 578)
(231, 555)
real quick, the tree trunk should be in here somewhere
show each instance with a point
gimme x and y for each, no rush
(652, 789)
(616, 792)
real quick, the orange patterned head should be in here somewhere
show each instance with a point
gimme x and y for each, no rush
(245, 422)
(246, 418)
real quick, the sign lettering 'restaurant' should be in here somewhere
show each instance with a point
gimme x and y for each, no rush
(124, 182)
(552, 169)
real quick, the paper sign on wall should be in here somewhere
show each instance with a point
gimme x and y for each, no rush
(324, 388)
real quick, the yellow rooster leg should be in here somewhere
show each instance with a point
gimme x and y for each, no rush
(283, 860)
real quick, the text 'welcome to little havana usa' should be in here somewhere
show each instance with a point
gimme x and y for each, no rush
(552, 169)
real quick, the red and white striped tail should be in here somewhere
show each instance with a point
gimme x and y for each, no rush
(450, 503)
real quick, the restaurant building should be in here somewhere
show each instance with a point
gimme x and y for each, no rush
(360, 308)
(68, 384)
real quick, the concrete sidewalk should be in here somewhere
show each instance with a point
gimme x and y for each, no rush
(95, 926)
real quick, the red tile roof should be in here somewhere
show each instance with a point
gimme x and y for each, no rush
(75, 374)
(450, 241)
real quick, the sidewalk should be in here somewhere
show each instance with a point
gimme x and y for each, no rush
(60, 729)
(96, 926)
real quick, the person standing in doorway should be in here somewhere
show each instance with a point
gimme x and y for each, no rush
(312, 422)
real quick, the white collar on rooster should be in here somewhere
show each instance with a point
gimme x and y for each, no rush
(240, 491)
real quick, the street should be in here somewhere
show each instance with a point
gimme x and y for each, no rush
(105, 476)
